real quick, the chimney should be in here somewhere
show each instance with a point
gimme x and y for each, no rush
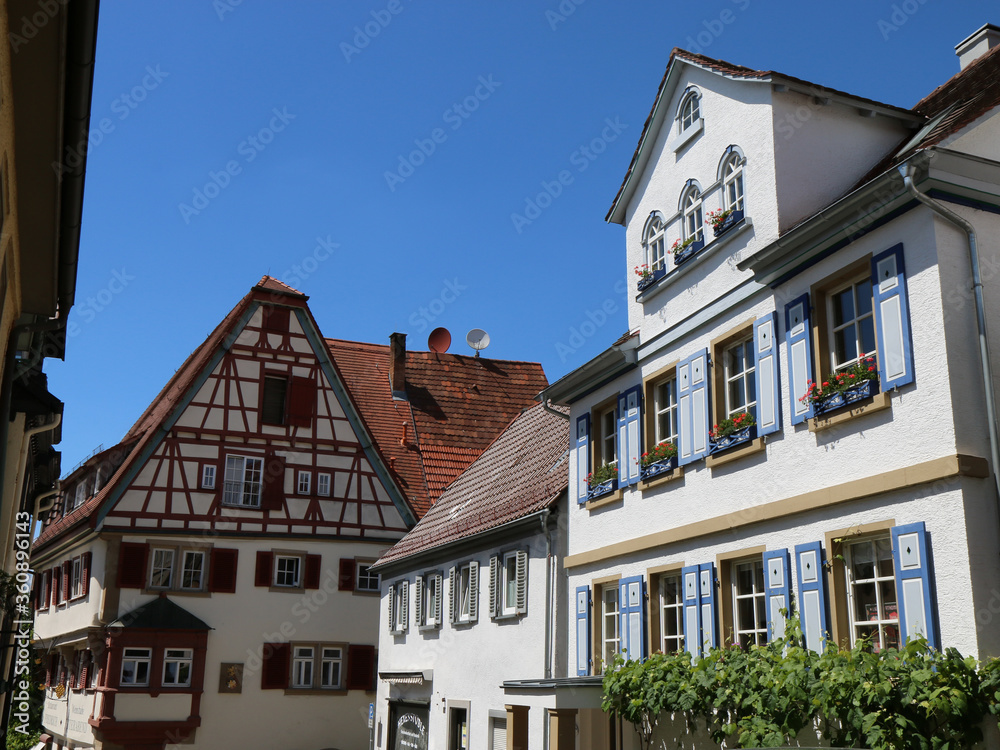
(397, 366)
(977, 44)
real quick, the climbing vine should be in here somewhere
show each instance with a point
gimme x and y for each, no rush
(912, 698)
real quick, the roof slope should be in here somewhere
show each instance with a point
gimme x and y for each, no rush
(522, 472)
(456, 406)
(160, 614)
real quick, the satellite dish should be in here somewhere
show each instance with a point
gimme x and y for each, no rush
(478, 339)
(439, 340)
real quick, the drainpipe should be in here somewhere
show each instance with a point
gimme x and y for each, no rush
(907, 170)
(550, 410)
(549, 608)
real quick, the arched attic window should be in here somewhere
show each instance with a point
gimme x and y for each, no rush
(693, 224)
(731, 175)
(653, 241)
(689, 111)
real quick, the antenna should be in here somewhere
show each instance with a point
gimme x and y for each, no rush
(439, 340)
(478, 339)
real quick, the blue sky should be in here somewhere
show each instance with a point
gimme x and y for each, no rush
(372, 154)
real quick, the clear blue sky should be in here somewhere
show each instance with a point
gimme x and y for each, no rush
(311, 104)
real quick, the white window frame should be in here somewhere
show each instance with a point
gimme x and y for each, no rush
(739, 378)
(159, 565)
(283, 571)
(177, 658)
(328, 657)
(363, 573)
(303, 666)
(606, 433)
(208, 477)
(400, 592)
(689, 112)
(732, 183)
(433, 582)
(881, 623)
(137, 658)
(693, 220)
(80, 495)
(92, 672)
(323, 484)
(76, 580)
(665, 408)
(610, 636)
(202, 570)
(45, 594)
(304, 483)
(655, 244)
(855, 322)
(508, 584)
(464, 611)
(671, 611)
(758, 597)
(244, 481)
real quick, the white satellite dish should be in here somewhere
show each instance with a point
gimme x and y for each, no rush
(478, 339)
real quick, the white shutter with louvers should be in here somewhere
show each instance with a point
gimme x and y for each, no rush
(452, 596)
(392, 608)
(473, 592)
(494, 586)
(418, 600)
(439, 588)
(404, 609)
(522, 582)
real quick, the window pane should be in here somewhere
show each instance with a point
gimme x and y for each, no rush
(864, 297)
(845, 345)
(867, 328)
(843, 306)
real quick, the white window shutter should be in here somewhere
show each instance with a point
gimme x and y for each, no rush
(629, 429)
(494, 586)
(692, 398)
(709, 606)
(418, 600)
(892, 319)
(453, 596)
(582, 448)
(777, 591)
(392, 608)
(913, 583)
(812, 594)
(798, 342)
(692, 610)
(768, 385)
(404, 610)
(473, 592)
(439, 587)
(582, 630)
(522, 582)
(621, 442)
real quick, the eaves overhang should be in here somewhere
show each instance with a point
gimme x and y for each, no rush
(605, 367)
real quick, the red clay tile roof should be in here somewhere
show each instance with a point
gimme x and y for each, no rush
(271, 284)
(521, 472)
(457, 405)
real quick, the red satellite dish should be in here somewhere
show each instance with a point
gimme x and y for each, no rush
(439, 340)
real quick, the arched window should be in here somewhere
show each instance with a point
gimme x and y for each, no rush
(690, 110)
(653, 241)
(732, 181)
(693, 225)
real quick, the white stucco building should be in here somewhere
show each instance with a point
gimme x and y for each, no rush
(844, 247)
(474, 596)
(207, 582)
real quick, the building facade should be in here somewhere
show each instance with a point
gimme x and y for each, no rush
(208, 580)
(806, 359)
(474, 595)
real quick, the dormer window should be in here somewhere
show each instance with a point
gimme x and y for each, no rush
(690, 110)
(653, 241)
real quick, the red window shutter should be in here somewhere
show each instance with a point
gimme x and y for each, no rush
(222, 571)
(360, 667)
(277, 661)
(273, 494)
(56, 586)
(275, 319)
(85, 566)
(265, 562)
(301, 401)
(345, 579)
(132, 565)
(313, 563)
(67, 574)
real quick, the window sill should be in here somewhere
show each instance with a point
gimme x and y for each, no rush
(286, 589)
(656, 481)
(747, 449)
(241, 507)
(679, 271)
(429, 628)
(878, 402)
(367, 592)
(315, 691)
(612, 497)
(684, 138)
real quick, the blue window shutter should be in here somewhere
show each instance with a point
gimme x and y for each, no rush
(777, 591)
(692, 399)
(765, 331)
(913, 583)
(692, 610)
(582, 630)
(629, 430)
(631, 608)
(709, 606)
(582, 456)
(812, 595)
(798, 339)
(892, 319)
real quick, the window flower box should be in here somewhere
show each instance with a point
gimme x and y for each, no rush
(738, 429)
(603, 480)
(604, 488)
(659, 459)
(852, 395)
(648, 277)
(725, 220)
(856, 383)
(685, 250)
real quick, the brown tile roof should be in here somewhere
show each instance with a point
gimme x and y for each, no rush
(521, 472)
(457, 405)
(271, 284)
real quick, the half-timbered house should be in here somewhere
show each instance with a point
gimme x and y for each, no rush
(207, 580)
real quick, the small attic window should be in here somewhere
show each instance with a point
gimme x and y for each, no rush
(690, 110)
